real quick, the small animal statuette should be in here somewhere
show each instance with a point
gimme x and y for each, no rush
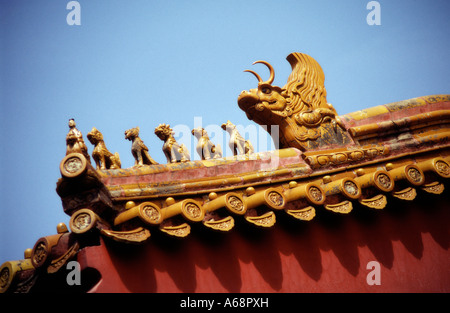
(237, 143)
(138, 148)
(173, 151)
(205, 148)
(101, 155)
(75, 142)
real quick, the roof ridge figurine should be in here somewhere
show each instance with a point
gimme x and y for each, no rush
(75, 142)
(306, 120)
(237, 143)
(173, 151)
(103, 158)
(138, 148)
(205, 148)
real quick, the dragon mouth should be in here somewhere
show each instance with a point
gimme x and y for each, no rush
(247, 100)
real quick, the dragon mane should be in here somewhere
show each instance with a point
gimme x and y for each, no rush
(306, 84)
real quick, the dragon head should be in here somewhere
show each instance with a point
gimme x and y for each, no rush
(266, 101)
(300, 108)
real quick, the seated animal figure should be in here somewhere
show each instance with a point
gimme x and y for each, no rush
(101, 155)
(205, 148)
(138, 148)
(173, 151)
(237, 143)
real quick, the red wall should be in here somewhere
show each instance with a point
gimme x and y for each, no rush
(410, 241)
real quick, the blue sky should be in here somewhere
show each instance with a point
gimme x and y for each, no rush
(142, 63)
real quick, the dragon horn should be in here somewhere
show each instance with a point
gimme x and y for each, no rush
(257, 76)
(272, 72)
